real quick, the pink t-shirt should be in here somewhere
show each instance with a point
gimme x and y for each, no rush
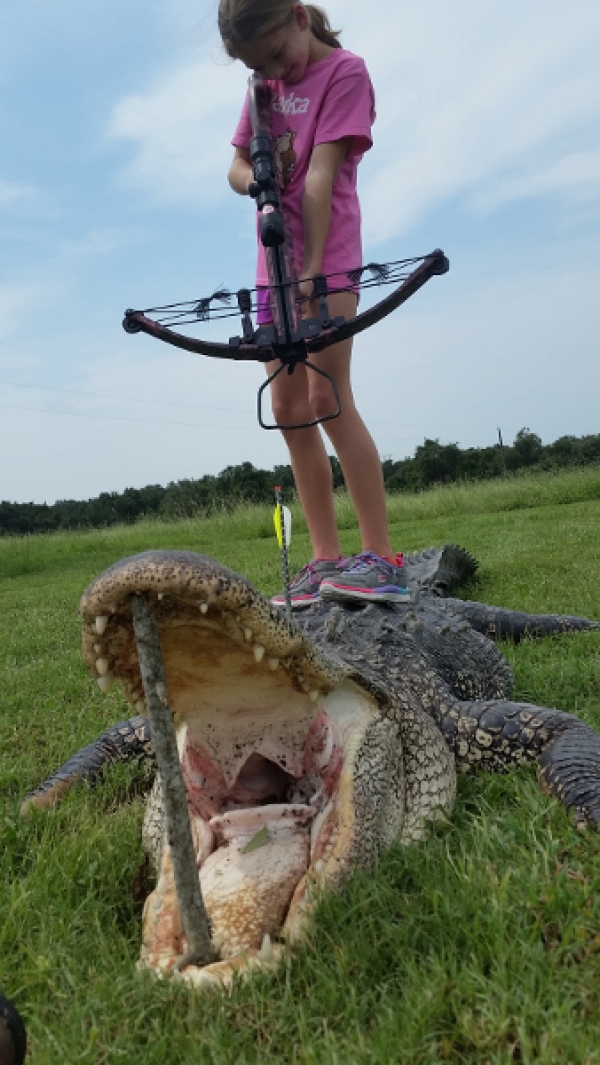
(334, 99)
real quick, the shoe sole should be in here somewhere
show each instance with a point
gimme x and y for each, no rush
(296, 604)
(371, 595)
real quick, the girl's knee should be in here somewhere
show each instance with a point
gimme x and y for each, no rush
(289, 411)
(323, 400)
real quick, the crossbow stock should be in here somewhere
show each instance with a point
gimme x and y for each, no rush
(291, 336)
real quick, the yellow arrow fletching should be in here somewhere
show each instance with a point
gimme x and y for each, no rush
(287, 525)
(277, 524)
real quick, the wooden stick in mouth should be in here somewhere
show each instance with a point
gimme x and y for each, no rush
(194, 917)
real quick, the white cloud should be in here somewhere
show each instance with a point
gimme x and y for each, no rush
(478, 95)
(181, 131)
(577, 175)
(93, 243)
(10, 193)
(14, 301)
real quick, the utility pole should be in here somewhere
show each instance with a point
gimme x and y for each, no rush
(502, 459)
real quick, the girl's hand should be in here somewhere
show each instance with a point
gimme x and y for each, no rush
(240, 174)
(305, 288)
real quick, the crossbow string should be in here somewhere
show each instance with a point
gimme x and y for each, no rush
(189, 312)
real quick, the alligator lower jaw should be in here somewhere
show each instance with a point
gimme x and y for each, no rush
(271, 814)
(268, 734)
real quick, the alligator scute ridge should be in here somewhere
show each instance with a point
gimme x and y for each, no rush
(381, 706)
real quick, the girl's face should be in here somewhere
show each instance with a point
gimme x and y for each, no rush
(284, 54)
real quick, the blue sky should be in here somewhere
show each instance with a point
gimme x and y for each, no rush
(115, 122)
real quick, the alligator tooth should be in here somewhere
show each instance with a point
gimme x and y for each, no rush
(204, 608)
(103, 666)
(248, 634)
(266, 951)
(313, 695)
(259, 652)
(98, 648)
(273, 664)
(160, 595)
(161, 690)
(100, 624)
(105, 682)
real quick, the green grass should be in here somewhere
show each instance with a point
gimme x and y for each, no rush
(480, 945)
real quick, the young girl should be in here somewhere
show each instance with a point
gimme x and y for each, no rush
(322, 109)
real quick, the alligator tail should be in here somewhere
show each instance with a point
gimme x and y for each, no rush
(498, 623)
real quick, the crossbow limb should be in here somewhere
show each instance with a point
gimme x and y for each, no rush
(291, 336)
(262, 347)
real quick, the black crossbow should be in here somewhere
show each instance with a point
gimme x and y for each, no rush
(291, 337)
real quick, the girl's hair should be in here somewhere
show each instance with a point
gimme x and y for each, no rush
(241, 21)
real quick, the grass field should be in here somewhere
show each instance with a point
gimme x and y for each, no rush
(481, 945)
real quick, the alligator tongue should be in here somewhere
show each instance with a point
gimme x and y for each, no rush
(248, 882)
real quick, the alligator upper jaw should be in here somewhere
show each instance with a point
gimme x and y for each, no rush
(267, 732)
(204, 610)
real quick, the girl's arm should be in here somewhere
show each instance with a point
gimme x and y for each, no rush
(240, 173)
(323, 169)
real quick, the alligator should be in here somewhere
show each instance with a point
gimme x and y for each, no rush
(308, 748)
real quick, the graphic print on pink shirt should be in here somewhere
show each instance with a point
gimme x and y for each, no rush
(335, 99)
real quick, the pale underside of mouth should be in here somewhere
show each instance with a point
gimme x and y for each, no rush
(258, 830)
(265, 812)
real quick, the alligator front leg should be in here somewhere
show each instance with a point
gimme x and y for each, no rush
(129, 741)
(497, 735)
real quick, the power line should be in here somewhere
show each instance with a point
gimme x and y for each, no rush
(397, 437)
(123, 418)
(124, 399)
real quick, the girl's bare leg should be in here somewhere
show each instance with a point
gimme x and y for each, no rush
(304, 395)
(309, 459)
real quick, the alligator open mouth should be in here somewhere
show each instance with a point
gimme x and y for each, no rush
(274, 741)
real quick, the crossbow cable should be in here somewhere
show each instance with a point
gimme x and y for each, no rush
(291, 337)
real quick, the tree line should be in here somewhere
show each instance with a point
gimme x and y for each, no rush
(432, 463)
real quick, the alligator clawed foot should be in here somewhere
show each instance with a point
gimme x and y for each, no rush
(584, 818)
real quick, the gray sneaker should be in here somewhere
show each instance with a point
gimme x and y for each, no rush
(305, 587)
(368, 577)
